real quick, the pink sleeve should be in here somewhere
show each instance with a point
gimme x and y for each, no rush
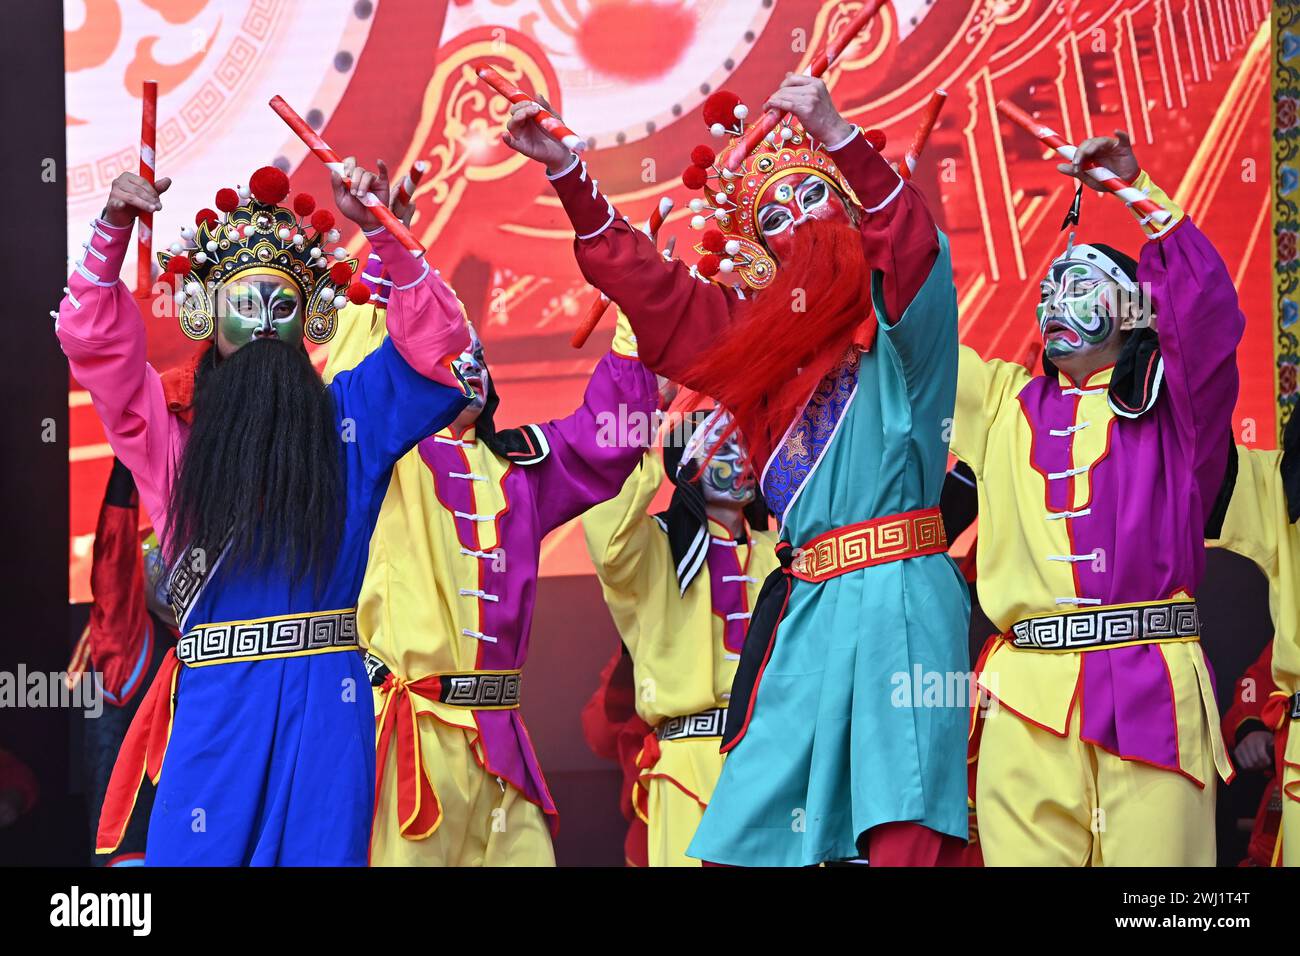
(425, 320)
(102, 333)
(899, 237)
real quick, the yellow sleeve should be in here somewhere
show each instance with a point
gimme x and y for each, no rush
(1256, 510)
(982, 388)
(619, 533)
(1154, 230)
(624, 343)
(361, 331)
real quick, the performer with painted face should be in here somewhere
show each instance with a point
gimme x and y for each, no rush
(447, 604)
(837, 356)
(263, 485)
(1096, 479)
(681, 586)
(1263, 523)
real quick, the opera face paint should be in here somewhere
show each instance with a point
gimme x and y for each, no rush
(790, 201)
(726, 478)
(472, 368)
(1077, 312)
(258, 305)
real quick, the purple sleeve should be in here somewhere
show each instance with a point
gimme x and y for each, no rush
(1199, 324)
(102, 333)
(593, 450)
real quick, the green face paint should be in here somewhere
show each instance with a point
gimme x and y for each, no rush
(256, 305)
(1076, 314)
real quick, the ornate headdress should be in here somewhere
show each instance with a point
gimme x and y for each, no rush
(731, 199)
(251, 232)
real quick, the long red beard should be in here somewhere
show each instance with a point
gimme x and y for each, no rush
(773, 356)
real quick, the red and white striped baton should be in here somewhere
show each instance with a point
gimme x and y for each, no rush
(331, 159)
(1098, 173)
(144, 234)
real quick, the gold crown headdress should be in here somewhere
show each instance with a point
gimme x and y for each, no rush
(731, 198)
(253, 232)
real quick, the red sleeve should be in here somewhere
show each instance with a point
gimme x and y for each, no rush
(119, 616)
(673, 312)
(1249, 696)
(610, 707)
(899, 236)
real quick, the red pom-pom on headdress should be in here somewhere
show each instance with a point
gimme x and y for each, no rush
(180, 265)
(714, 241)
(304, 204)
(694, 177)
(720, 107)
(709, 265)
(206, 215)
(227, 200)
(269, 185)
(703, 156)
(340, 273)
(358, 293)
(322, 220)
(876, 138)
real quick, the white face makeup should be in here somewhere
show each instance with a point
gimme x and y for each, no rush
(791, 201)
(725, 478)
(1077, 309)
(472, 367)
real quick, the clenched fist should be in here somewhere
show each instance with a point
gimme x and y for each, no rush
(131, 195)
(1116, 154)
(809, 100)
(525, 136)
(347, 199)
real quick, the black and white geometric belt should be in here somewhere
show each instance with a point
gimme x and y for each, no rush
(267, 638)
(477, 690)
(707, 723)
(1110, 625)
(1295, 706)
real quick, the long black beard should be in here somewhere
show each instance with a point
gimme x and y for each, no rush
(261, 476)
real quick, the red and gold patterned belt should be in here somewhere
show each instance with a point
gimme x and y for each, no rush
(891, 538)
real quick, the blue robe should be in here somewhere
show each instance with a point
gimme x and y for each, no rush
(272, 762)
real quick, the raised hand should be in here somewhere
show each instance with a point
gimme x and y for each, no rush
(131, 195)
(1115, 153)
(347, 199)
(808, 99)
(526, 137)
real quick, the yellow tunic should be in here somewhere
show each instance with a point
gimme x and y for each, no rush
(1258, 527)
(416, 614)
(681, 664)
